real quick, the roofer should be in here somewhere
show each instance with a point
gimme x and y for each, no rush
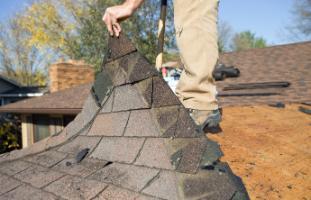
(196, 35)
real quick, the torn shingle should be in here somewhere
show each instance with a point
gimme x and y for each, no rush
(207, 185)
(139, 143)
(129, 69)
(166, 119)
(211, 154)
(187, 159)
(141, 124)
(162, 94)
(164, 186)
(128, 97)
(137, 67)
(101, 87)
(185, 125)
(154, 154)
(118, 47)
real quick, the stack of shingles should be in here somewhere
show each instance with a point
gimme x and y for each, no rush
(141, 141)
(254, 89)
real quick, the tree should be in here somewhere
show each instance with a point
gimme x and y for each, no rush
(247, 40)
(225, 33)
(10, 135)
(301, 21)
(75, 29)
(18, 61)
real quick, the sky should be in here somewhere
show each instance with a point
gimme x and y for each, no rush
(265, 18)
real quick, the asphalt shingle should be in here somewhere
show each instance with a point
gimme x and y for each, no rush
(47, 159)
(116, 193)
(155, 155)
(162, 95)
(128, 97)
(120, 149)
(141, 124)
(141, 142)
(12, 168)
(290, 63)
(38, 176)
(127, 176)
(83, 169)
(27, 192)
(79, 143)
(8, 184)
(166, 120)
(71, 187)
(164, 186)
(110, 124)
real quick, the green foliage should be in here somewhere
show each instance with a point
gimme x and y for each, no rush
(300, 27)
(247, 40)
(225, 33)
(9, 139)
(18, 60)
(75, 29)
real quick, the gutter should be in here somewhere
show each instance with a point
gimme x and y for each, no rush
(22, 95)
(41, 111)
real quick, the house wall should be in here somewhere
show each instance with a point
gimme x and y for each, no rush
(27, 132)
(65, 75)
(52, 123)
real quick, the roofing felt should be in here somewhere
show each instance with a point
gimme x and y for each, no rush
(140, 144)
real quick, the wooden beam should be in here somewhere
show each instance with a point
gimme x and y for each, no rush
(161, 34)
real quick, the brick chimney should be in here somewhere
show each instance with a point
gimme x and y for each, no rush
(64, 75)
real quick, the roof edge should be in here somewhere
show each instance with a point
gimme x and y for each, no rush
(41, 111)
(268, 47)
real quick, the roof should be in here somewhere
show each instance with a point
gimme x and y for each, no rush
(68, 101)
(139, 142)
(12, 82)
(25, 91)
(259, 140)
(289, 63)
(21, 91)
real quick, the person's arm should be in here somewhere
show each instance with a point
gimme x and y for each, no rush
(113, 15)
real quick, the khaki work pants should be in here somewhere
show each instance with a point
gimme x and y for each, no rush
(196, 35)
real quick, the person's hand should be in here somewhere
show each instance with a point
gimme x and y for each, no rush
(114, 15)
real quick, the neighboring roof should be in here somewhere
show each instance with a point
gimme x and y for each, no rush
(289, 63)
(68, 101)
(21, 91)
(141, 144)
(12, 82)
(25, 92)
